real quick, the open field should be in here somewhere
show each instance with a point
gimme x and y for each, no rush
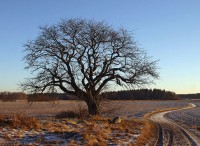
(189, 118)
(44, 128)
(39, 108)
(125, 109)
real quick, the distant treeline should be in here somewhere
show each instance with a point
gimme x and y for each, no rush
(38, 97)
(12, 96)
(141, 94)
(189, 96)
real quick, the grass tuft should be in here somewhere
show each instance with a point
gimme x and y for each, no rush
(19, 121)
(147, 135)
(80, 113)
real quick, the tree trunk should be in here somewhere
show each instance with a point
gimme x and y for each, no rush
(93, 107)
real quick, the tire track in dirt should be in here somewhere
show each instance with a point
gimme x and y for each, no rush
(171, 133)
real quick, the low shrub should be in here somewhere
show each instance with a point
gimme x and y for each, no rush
(67, 114)
(80, 113)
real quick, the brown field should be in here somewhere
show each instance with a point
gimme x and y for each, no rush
(37, 123)
(38, 108)
(128, 108)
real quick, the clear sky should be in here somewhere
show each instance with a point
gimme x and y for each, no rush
(168, 29)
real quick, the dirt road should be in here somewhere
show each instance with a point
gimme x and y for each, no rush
(172, 134)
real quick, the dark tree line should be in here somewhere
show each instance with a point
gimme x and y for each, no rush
(12, 96)
(141, 94)
(189, 96)
(40, 97)
(36, 97)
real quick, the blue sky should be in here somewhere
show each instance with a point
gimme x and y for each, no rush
(168, 29)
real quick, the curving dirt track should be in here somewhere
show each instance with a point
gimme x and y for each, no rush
(172, 134)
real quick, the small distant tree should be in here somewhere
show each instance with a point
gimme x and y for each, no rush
(82, 57)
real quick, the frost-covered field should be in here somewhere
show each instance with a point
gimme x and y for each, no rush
(189, 118)
(130, 109)
(137, 109)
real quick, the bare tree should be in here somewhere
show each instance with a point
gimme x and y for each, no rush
(82, 57)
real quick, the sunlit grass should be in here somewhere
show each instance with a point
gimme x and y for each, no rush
(19, 121)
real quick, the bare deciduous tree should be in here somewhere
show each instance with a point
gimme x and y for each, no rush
(81, 57)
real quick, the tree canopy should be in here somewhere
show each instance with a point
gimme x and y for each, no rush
(82, 57)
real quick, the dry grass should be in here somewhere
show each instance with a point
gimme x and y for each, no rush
(93, 130)
(97, 131)
(19, 121)
(96, 135)
(93, 134)
(81, 112)
(39, 108)
(67, 114)
(148, 133)
(55, 127)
